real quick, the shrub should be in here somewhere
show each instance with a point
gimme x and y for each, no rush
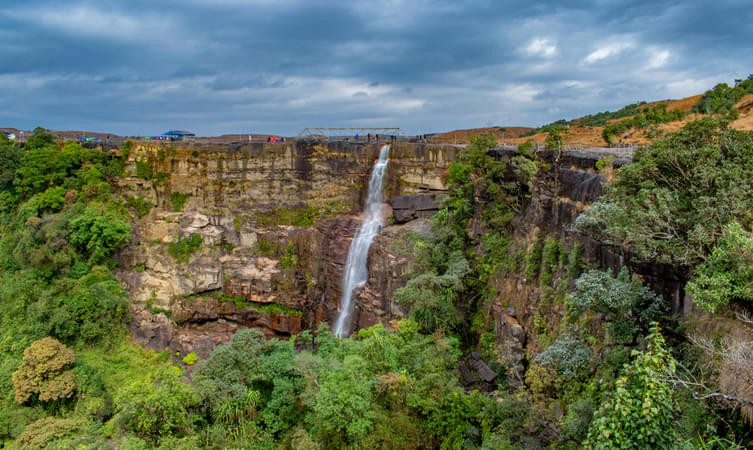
(548, 128)
(575, 261)
(190, 359)
(554, 140)
(160, 178)
(342, 413)
(248, 374)
(48, 432)
(431, 297)
(643, 118)
(549, 260)
(158, 409)
(141, 206)
(533, 262)
(727, 274)
(144, 169)
(661, 206)
(178, 199)
(722, 98)
(127, 147)
(630, 306)
(182, 249)
(641, 412)
(568, 356)
(98, 232)
(527, 148)
(300, 217)
(91, 307)
(578, 419)
(289, 259)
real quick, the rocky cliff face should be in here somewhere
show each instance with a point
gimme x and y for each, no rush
(524, 313)
(275, 222)
(256, 235)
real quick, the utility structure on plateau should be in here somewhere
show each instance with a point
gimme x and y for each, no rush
(340, 134)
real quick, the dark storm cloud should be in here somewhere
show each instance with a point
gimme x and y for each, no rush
(217, 66)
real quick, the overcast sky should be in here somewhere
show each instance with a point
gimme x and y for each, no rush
(278, 66)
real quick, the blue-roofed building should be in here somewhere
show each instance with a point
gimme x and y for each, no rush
(179, 135)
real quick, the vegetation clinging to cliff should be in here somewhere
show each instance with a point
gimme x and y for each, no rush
(482, 195)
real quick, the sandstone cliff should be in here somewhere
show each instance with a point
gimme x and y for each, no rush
(256, 235)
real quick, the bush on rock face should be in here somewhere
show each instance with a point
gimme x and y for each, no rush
(629, 306)
(727, 273)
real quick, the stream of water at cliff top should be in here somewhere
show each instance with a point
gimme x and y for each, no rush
(356, 273)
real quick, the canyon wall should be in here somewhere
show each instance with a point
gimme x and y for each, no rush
(275, 223)
(251, 235)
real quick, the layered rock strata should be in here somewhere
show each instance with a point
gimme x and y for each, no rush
(274, 222)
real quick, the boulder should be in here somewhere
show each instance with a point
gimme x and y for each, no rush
(483, 370)
(465, 374)
(154, 331)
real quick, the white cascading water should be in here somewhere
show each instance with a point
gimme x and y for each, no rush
(356, 273)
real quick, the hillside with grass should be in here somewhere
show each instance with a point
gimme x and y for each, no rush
(636, 124)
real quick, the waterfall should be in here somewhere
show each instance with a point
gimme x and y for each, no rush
(356, 273)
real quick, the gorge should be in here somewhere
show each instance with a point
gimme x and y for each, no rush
(276, 220)
(494, 304)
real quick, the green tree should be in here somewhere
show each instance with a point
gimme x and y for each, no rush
(160, 407)
(98, 232)
(10, 161)
(432, 298)
(342, 413)
(722, 98)
(672, 202)
(45, 372)
(39, 138)
(42, 167)
(554, 140)
(640, 414)
(629, 306)
(726, 274)
(89, 308)
(250, 374)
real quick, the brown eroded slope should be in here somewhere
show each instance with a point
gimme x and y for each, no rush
(501, 134)
(745, 106)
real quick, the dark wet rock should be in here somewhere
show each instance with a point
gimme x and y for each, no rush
(153, 331)
(390, 262)
(579, 186)
(465, 374)
(410, 207)
(483, 370)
